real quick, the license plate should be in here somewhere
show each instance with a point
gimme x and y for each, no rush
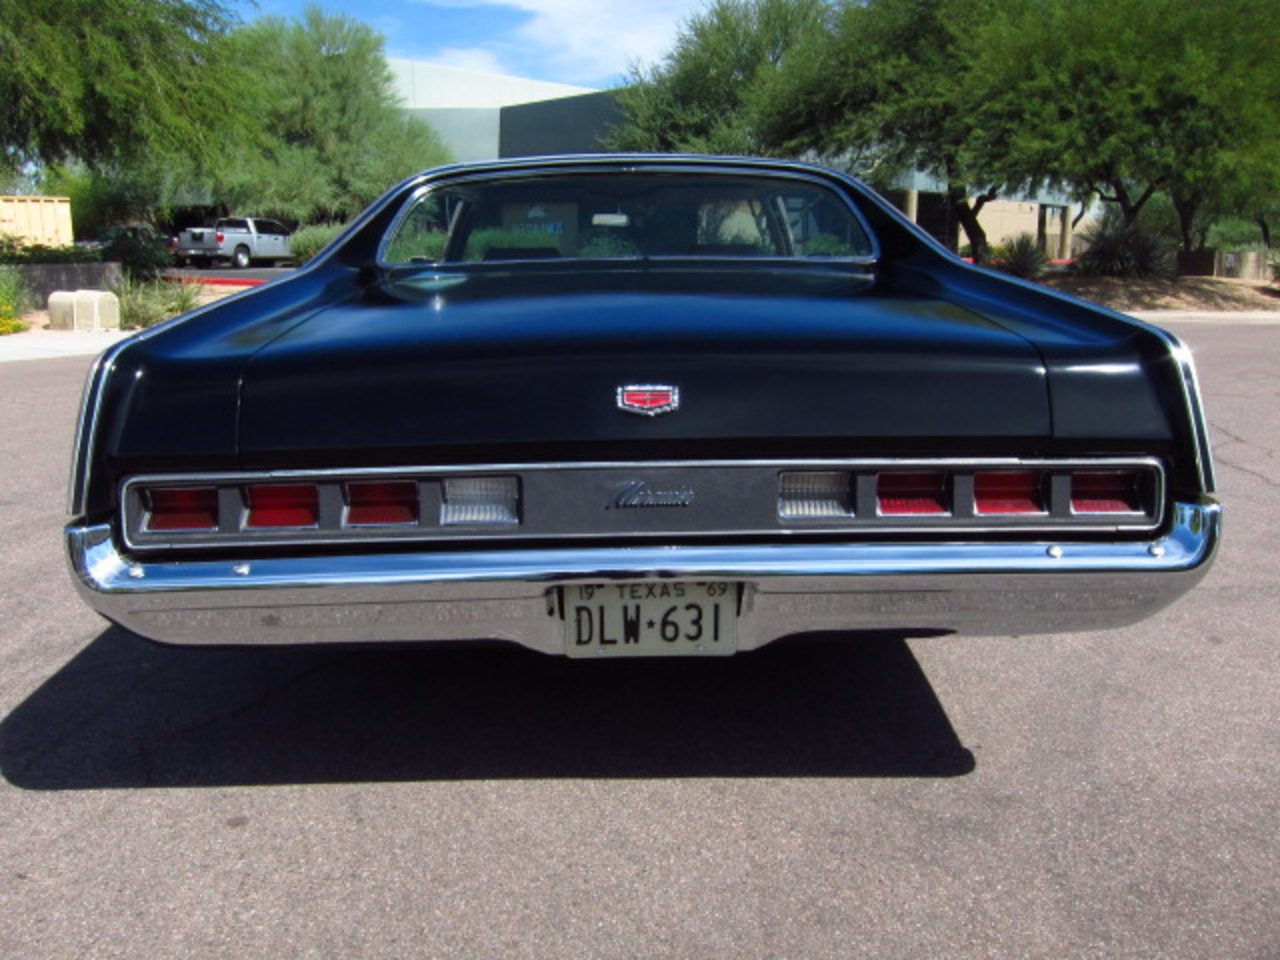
(651, 619)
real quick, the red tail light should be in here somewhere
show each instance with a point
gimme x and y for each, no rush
(912, 494)
(382, 503)
(1115, 492)
(1019, 491)
(181, 508)
(219, 236)
(283, 505)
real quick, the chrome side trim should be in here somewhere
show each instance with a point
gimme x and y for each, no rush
(975, 588)
(1194, 401)
(86, 426)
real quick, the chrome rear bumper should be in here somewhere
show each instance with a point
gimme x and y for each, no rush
(969, 588)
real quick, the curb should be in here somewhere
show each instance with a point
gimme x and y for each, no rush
(215, 281)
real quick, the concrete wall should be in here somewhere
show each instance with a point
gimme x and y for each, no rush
(43, 279)
(37, 220)
(1243, 265)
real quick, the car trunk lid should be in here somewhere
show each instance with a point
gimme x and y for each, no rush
(493, 364)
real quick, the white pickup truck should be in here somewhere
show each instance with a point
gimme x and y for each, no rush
(239, 240)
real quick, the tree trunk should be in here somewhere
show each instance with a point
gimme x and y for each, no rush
(967, 214)
(1265, 227)
(1084, 208)
(1129, 207)
(1187, 208)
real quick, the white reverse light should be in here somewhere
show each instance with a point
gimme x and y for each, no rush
(480, 501)
(815, 495)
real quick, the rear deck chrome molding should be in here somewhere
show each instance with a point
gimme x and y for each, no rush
(970, 588)
(717, 499)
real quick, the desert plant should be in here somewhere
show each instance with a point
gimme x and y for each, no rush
(1119, 250)
(1022, 256)
(145, 303)
(308, 241)
(13, 300)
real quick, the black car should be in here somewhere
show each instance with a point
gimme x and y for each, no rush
(638, 405)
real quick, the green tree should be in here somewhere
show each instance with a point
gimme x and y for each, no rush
(144, 189)
(698, 98)
(889, 81)
(109, 81)
(1125, 98)
(333, 135)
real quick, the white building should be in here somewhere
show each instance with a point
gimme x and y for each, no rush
(465, 106)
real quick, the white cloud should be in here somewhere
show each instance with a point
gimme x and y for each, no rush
(584, 41)
(471, 58)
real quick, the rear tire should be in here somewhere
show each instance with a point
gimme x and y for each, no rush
(240, 259)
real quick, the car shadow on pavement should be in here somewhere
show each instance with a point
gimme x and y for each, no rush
(129, 713)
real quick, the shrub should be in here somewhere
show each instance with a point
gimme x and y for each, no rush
(145, 303)
(1234, 233)
(1116, 250)
(308, 241)
(417, 245)
(141, 258)
(827, 245)
(14, 253)
(1022, 257)
(603, 243)
(13, 300)
(480, 242)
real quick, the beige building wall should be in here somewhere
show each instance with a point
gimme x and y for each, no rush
(1004, 220)
(37, 220)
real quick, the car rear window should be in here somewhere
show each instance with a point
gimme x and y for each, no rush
(233, 225)
(596, 216)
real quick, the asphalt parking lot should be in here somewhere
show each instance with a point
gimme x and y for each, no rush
(1091, 795)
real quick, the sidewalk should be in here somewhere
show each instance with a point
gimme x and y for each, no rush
(1203, 316)
(45, 344)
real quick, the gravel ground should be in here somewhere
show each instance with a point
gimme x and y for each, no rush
(1199, 294)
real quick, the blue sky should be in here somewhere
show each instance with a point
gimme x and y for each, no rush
(587, 42)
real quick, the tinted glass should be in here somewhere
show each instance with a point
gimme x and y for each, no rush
(636, 215)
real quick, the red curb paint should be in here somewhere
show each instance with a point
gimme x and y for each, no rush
(216, 281)
(227, 282)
